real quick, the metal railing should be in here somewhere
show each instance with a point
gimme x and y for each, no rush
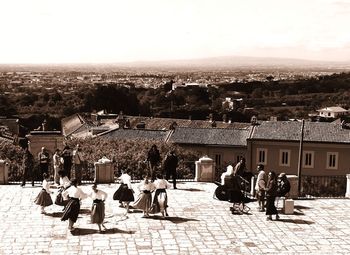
(323, 186)
(185, 172)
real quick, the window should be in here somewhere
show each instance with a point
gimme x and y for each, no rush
(218, 159)
(332, 160)
(284, 157)
(261, 156)
(308, 159)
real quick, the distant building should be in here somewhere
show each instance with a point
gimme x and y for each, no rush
(332, 112)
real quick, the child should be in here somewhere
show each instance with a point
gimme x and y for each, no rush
(124, 193)
(144, 199)
(98, 207)
(44, 199)
(160, 200)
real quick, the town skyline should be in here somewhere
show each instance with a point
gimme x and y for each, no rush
(38, 32)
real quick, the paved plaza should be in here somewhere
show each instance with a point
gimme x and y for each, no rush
(198, 224)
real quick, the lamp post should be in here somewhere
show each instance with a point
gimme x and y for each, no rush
(300, 156)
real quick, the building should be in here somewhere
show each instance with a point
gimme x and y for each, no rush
(332, 112)
(275, 144)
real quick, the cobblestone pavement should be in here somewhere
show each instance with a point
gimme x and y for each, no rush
(198, 224)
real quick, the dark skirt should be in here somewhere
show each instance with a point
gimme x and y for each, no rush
(143, 202)
(71, 210)
(270, 206)
(98, 211)
(59, 198)
(43, 198)
(123, 194)
(160, 201)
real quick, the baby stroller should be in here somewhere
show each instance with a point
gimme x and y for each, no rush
(234, 192)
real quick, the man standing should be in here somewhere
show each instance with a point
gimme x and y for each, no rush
(170, 164)
(44, 160)
(78, 161)
(28, 165)
(67, 156)
(56, 158)
(153, 158)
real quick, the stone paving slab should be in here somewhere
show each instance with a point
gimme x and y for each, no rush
(198, 224)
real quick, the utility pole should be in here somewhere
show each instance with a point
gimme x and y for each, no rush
(300, 163)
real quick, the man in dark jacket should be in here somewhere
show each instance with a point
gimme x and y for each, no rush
(170, 164)
(28, 167)
(153, 158)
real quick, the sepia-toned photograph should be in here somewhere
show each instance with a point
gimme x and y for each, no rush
(174, 127)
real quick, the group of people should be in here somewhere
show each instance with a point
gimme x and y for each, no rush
(144, 201)
(69, 196)
(268, 190)
(169, 165)
(62, 160)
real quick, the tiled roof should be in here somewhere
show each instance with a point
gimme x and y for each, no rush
(212, 136)
(332, 109)
(165, 123)
(71, 124)
(290, 131)
(136, 133)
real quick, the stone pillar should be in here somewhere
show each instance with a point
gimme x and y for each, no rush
(205, 170)
(347, 194)
(293, 193)
(104, 171)
(4, 172)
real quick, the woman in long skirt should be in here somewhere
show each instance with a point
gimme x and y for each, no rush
(160, 200)
(72, 208)
(124, 193)
(271, 192)
(98, 207)
(144, 200)
(44, 199)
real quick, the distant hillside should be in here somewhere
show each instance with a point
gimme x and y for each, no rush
(241, 62)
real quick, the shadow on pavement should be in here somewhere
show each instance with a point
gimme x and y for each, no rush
(84, 211)
(191, 189)
(296, 221)
(175, 220)
(300, 207)
(55, 214)
(89, 231)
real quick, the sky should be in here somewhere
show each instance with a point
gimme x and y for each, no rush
(113, 31)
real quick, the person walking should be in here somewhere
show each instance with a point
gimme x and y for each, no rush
(144, 200)
(98, 207)
(28, 167)
(78, 161)
(170, 164)
(271, 192)
(67, 156)
(160, 199)
(125, 192)
(44, 160)
(44, 199)
(72, 208)
(153, 158)
(260, 188)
